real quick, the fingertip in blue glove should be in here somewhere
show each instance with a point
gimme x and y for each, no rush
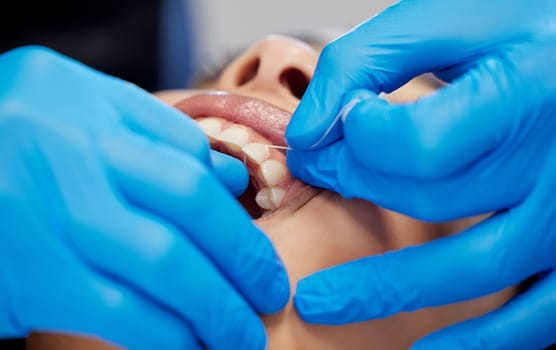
(230, 171)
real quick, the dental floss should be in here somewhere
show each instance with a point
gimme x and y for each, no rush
(287, 148)
(342, 115)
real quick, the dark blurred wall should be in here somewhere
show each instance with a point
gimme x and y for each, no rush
(119, 37)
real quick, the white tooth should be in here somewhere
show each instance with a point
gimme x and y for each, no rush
(256, 151)
(234, 138)
(270, 198)
(272, 172)
(264, 200)
(210, 126)
(277, 195)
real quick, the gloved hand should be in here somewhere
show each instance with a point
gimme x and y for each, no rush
(112, 221)
(486, 142)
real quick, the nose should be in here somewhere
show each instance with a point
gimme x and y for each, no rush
(276, 68)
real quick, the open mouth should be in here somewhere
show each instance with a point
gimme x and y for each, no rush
(247, 128)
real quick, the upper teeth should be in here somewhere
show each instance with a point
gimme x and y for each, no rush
(234, 138)
(256, 151)
(210, 126)
(272, 172)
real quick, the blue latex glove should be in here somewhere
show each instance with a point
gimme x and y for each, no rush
(484, 143)
(112, 221)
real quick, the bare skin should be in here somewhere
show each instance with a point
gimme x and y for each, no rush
(313, 229)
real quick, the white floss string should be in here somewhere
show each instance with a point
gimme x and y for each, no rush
(341, 116)
(277, 147)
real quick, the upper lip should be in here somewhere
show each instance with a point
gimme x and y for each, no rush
(267, 119)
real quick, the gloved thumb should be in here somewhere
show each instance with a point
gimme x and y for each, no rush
(383, 53)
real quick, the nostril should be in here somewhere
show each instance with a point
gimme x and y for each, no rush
(248, 72)
(295, 80)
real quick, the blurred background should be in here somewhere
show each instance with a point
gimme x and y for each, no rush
(229, 26)
(161, 44)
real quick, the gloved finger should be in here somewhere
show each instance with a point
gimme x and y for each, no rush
(64, 295)
(155, 258)
(334, 168)
(438, 135)
(123, 317)
(526, 322)
(147, 116)
(388, 50)
(484, 258)
(51, 288)
(189, 196)
(230, 171)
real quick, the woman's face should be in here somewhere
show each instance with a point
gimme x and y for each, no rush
(314, 229)
(311, 228)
